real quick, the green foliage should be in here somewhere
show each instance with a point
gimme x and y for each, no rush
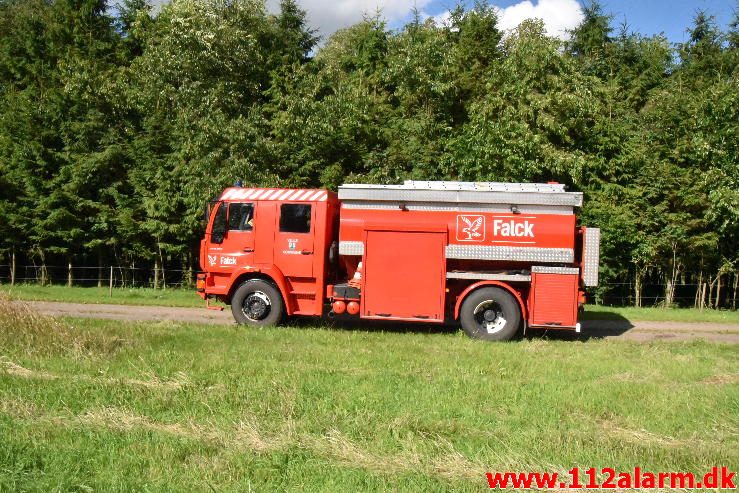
(528, 124)
(591, 40)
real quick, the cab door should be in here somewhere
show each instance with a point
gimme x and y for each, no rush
(234, 224)
(294, 239)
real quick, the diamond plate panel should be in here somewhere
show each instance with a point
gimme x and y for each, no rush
(489, 276)
(351, 248)
(591, 256)
(543, 269)
(515, 254)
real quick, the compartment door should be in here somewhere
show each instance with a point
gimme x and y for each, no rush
(404, 275)
(554, 292)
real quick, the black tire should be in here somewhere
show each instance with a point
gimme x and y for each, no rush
(257, 302)
(491, 314)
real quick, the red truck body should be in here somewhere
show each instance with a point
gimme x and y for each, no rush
(495, 256)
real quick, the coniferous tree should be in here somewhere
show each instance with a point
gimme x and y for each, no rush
(117, 125)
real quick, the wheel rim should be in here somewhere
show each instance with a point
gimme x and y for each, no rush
(256, 306)
(489, 316)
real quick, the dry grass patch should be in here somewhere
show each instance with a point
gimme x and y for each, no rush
(179, 381)
(344, 451)
(24, 330)
(18, 408)
(246, 435)
(722, 379)
(16, 370)
(444, 462)
(644, 437)
(21, 326)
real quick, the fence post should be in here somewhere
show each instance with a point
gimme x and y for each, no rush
(100, 268)
(44, 273)
(717, 303)
(12, 267)
(110, 285)
(69, 273)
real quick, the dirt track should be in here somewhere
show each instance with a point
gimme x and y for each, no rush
(623, 329)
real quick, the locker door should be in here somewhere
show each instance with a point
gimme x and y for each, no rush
(404, 275)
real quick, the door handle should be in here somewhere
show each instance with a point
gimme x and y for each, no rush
(306, 252)
(248, 250)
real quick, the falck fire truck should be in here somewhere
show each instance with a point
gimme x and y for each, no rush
(495, 257)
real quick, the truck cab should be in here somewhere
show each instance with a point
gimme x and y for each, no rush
(281, 237)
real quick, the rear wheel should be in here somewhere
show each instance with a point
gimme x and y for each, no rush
(491, 314)
(257, 302)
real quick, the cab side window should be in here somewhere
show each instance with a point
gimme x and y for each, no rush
(240, 217)
(295, 218)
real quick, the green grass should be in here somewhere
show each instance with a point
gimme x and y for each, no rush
(121, 296)
(92, 405)
(599, 312)
(188, 298)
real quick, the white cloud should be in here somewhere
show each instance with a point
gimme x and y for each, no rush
(442, 19)
(558, 15)
(328, 16)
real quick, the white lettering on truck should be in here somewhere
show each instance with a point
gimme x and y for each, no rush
(513, 229)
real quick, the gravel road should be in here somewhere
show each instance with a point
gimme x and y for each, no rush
(622, 329)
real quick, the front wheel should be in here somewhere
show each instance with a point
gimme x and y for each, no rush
(491, 314)
(257, 302)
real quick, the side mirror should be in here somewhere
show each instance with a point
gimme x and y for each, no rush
(217, 237)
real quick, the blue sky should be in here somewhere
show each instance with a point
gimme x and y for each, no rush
(671, 17)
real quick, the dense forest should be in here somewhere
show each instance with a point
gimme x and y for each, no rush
(118, 123)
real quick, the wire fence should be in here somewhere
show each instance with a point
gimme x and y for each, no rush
(613, 294)
(687, 294)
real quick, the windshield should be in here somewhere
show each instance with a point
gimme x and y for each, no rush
(209, 206)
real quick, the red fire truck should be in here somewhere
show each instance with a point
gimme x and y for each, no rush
(495, 257)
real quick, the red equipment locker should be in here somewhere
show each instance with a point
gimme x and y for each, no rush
(404, 275)
(554, 294)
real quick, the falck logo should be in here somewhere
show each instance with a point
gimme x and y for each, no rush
(470, 228)
(212, 259)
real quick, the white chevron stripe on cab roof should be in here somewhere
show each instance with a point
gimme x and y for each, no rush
(278, 194)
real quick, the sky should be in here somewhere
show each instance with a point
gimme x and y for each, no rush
(671, 17)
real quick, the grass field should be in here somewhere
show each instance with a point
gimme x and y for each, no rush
(600, 312)
(188, 298)
(91, 405)
(121, 296)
